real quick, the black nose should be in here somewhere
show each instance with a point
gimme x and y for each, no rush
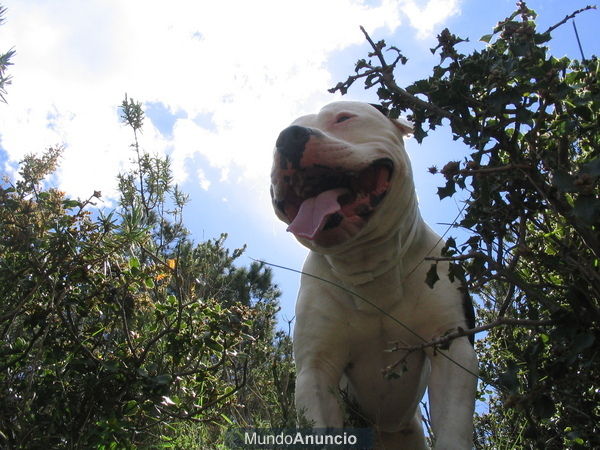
(290, 144)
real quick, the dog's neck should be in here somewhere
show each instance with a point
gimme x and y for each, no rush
(369, 262)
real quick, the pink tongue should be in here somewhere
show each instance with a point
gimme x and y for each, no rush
(313, 213)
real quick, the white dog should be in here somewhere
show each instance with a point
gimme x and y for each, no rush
(342, 181)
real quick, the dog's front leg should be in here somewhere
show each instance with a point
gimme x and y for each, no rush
(452, 389)
(321, 349)
(317, 396)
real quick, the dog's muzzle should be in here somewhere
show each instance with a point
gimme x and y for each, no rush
(317, 198)
(291, 143)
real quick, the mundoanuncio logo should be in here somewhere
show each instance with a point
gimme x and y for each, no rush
(299, 438)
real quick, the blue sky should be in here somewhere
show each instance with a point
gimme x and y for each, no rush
(219, 80)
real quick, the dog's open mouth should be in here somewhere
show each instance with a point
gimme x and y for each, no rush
(321, 198)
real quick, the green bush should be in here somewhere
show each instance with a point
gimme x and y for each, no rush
(530, 246)
(118, 331)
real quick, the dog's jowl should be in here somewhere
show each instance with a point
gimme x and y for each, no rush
(342, 181)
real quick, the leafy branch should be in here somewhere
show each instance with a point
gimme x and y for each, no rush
(5, 62)
(531, 222)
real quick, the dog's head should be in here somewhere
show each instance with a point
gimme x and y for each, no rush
(334, 171)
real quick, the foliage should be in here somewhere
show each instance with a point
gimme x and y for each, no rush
(531, 248)
(4, 63)
(116, 329)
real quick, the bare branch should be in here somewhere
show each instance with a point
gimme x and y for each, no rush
(569, 17)
(464, 257)
(487, 170)
(444, 341)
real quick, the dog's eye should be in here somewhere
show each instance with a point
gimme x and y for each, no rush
(342, 118)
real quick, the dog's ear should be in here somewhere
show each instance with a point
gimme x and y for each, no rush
(404, 125)
(382, 109)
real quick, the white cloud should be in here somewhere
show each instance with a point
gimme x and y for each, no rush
(427, 19)
(251, 66)
(202, 180)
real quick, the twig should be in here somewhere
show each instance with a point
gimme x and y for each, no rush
(460, 332)
(464, 257)
(486, 170)
(450, 226)
(561, 207)
(507, 300)
(25, 353)
(427, 421)
(511, 267)
(16, 310)
(206, 406)
(569, 17)
(132, 348)
(388, 76)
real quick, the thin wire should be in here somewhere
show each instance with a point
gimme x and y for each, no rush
(439, 240)
(385, 313)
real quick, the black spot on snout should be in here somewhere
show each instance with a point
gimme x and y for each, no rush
(291, 143)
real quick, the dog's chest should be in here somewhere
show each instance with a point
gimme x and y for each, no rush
(385, 383)
(378, 340)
